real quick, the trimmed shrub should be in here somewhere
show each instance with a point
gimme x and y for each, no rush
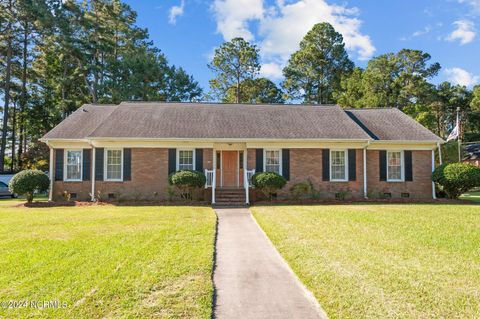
(268, 183)
(187, 182)
(456, 178)
(28, 182)
(300, 190)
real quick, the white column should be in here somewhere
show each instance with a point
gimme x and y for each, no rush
(365, 173)
(439, 146)
(434, 196)
(50, 192)
(93, 175)
(214, 177)
(245, 182)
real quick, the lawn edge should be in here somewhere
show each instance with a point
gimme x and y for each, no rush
(307, 292)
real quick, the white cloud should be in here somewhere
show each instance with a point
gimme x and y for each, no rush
(464, 32)
(475, 4)
(418, 33)
(461, 76)
(176, 11)
(272, 71)
(233, 16)
(283, 30)
(424, 31)
(282, 26)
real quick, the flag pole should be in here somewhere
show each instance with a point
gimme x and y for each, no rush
(459, 136)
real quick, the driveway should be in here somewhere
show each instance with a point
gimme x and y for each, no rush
(251, 278)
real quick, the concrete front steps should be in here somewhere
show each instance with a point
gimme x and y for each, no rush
(230, 197)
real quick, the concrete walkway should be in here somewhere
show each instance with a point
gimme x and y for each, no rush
(251, 278)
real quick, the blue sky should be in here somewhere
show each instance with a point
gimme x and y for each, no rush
(187, 31)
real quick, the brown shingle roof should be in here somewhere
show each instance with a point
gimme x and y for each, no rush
(391, 124)
(224, 121)
(81, 123)
(190, 120)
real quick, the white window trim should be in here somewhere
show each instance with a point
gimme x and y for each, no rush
(345, 154)
(265, 150)
(65, 156)
(105, 160)
(177, 162)
(402, 167)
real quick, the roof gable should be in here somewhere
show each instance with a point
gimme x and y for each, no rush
(391, 124)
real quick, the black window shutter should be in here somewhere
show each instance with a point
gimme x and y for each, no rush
(383, 165)
(286, 163)
(172, 157)
(352, 165)
(259, 160)
(99, 164)
(127, 164)
(86, 164)
(59, 164)
(199, 159)
(408, 166)
(326, 164)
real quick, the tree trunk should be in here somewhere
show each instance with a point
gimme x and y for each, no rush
(23, 98)
(237, 95)
(14, 128)
(8, 71)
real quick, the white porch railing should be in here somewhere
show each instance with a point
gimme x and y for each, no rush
(247, 181)
(250, 173)
(209, 175)
(211, 182)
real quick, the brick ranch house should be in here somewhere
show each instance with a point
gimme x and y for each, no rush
(127, 151)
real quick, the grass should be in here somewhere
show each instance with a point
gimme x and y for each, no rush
(107, 261)
(383, 261)
(474, 196)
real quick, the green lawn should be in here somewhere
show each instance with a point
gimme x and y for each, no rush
(107, 261)
(383, 261)
(474, 196)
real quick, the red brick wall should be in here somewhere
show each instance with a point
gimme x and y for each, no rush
(150, 170)
(420, 187)
(307, 164)
(149, 178)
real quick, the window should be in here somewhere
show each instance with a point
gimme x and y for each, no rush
(240, 160)
(113, 165)
(186, 160)
(338, 165)
(73, 165)
(394, 166)
(273, 161)
(219, 160)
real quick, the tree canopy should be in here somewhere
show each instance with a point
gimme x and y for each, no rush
(233, 63)
(57, 55)
(313, 73)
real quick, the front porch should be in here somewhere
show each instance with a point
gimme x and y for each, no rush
(229, 178)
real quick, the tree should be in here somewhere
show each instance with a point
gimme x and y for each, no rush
(457, 178)
(351, 90)
(57, 55)
(475, 103)
(234, 62)
(313, 73)
(9, 9)
(390, 80)
(29, 182)
(259, 90)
